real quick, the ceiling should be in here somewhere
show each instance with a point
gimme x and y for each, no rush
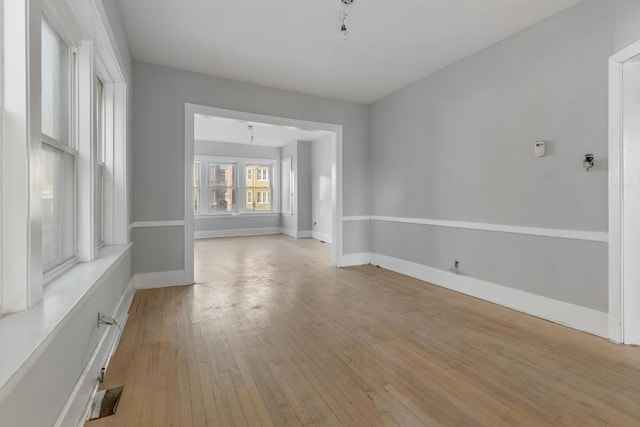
(217, 129)
(296, 44)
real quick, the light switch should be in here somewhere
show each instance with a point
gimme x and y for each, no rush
(539, 149)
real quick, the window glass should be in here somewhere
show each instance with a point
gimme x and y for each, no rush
(259, 188)
(55, 85)
(196, 187)
(58, 165)
(58, 207)
(222, 187)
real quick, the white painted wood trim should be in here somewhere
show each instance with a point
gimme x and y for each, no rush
(302, 234)
(78, 405)
(325, 237)
(41, 324)
(236, 233)
(594, 236)
(148, 224)
(616, 332)
(289, 232)
(624, 325)
(352, 260)
(574, 316)
(162, 279)
(357, 218)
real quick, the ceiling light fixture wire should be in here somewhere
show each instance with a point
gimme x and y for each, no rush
(343, 17)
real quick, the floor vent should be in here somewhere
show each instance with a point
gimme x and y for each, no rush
(105, 403)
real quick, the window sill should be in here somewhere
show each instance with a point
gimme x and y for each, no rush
(28, 333)
(236, 215)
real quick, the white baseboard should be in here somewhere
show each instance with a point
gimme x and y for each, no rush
(162, 279)
(78, 405)
(325, 237)
(574, 316)
(351, 260)
(289, 232)
(302, 234)
(237, 233)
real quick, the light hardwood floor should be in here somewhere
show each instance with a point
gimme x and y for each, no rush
(273, 335)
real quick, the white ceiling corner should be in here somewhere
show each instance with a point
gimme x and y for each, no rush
(295, 45)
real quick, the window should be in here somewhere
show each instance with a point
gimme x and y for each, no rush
(58, 153)
(100, 145)
(222, 188)
(261, 187)
(263, 174)
(287, 186)
(196, 187)
(263, 197)
(232, 185)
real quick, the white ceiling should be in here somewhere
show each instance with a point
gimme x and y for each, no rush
(208, 128)
(296, 45)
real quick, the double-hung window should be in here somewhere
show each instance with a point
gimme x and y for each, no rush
(259, 188)
(222, 187)
(236, 186)
(100, 146)
(58, 152)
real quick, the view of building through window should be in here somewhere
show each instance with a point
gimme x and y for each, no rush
(258, 185)
(222, 187)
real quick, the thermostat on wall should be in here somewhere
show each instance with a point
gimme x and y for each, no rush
(539, 150)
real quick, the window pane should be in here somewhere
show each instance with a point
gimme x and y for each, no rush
(196, 187)
(55, 85)
(58, 207)
(259, 187)
(99, 214)
(100, 122)
(221, 187)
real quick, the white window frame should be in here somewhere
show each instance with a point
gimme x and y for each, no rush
(287, 164)
(204, 181)
(100, 144)
(241, 188)
(72, 146)
(21, 275)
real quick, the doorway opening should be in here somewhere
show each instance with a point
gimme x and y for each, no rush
(624, 196)
(250, 174)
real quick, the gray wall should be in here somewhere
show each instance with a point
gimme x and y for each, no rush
(321, 211)
(303, 189)
(160, 94)
(627, 22)
(458, 145)
(210, 223)
(300, 220)
(223, 149)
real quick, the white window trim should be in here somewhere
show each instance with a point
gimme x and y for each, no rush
(240, 162)
(21, 275)
(67, 35)
(289, 211)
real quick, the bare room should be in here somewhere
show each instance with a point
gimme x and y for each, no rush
(341, 213)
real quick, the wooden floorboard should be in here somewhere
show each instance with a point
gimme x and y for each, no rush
(272, 335)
